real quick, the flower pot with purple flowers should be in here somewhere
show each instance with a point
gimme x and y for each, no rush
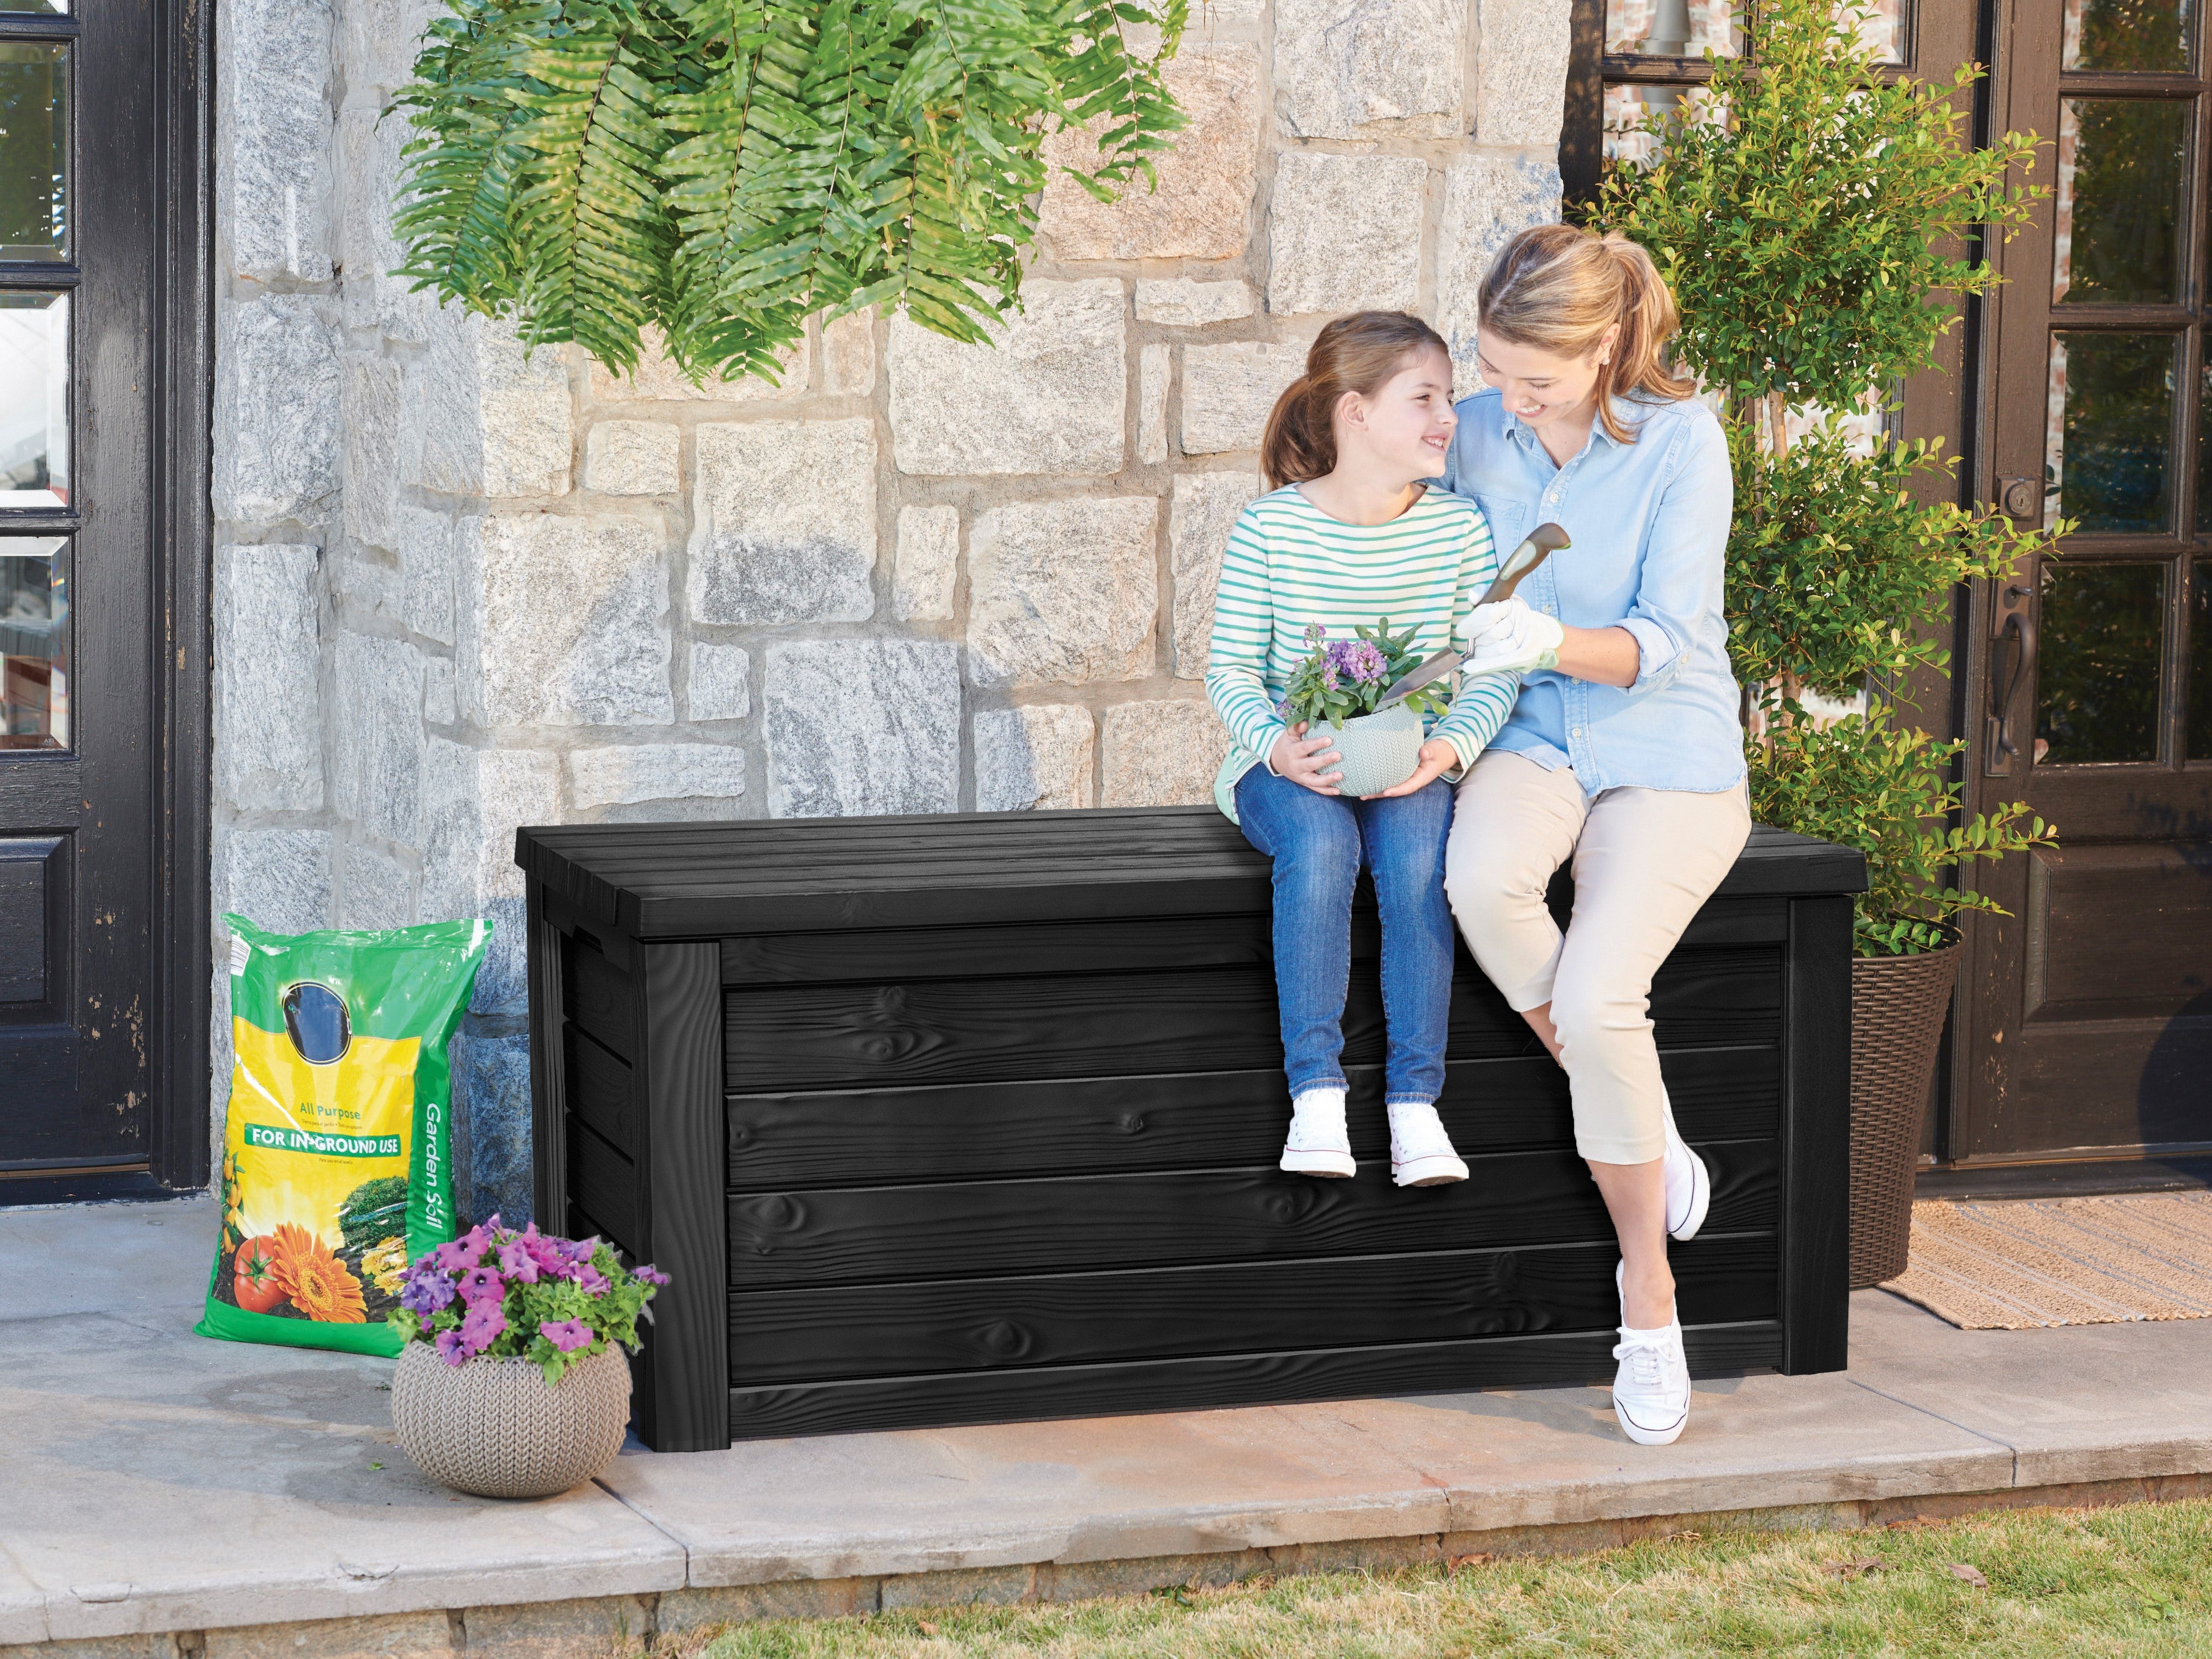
(1335, 690)
(512, 1382)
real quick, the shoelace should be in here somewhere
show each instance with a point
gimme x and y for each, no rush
(1423, 1137)
(1644, 1362)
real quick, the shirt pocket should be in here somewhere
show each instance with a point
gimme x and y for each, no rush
(1510, 519)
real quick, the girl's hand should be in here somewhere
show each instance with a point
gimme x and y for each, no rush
(1509, 636)
(1437, 756)
(1299, 758)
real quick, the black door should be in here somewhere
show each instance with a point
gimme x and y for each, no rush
(89, 626)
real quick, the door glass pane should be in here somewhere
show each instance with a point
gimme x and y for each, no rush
(33, 149)
(1882, 27)
(35, 468)
(35, 632)
(2200, 666)
(2100, 632)
(2127, 34)
(2120, 182)
(2109, 428)
(1672, 28)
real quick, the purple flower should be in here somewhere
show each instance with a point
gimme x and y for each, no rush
(590, 1278)
(464, 1252)
(452, 1349)
(483, 1323)
(427, 1291)
(481, 1285)
(649, 1274)
(566, 1334)
(1315, 633)
(1283, 709)
(1329, 677)
(1365, 663)
(516, 1261)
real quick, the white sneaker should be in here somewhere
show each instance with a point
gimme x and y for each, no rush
(1651, 1389)
(1421, 1153)
(1689, 1183)
(1317, 1144)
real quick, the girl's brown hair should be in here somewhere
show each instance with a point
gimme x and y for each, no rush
(1558, 289)
(1359, 353)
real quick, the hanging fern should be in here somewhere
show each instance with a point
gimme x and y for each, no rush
(721, 169)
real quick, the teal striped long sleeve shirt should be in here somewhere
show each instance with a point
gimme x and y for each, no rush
(1288, 563)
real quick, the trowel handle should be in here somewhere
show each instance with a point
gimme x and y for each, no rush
(1538, 544)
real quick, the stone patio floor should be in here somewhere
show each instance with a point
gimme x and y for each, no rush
(163, 1494)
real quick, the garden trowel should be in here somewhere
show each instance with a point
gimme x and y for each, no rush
(1541, 544)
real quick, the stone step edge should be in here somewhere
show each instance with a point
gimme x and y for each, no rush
(609, 1626)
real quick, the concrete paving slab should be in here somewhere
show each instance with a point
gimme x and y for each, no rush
(157, 1481)
(2080, 1403)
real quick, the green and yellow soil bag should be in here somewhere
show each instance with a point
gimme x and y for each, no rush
(337, 1159)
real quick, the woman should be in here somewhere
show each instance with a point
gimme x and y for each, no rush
(1623, 751)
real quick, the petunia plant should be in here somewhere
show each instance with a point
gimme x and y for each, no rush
(1342, 679)
(501, 1294)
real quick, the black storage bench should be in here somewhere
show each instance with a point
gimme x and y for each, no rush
(972, 1118)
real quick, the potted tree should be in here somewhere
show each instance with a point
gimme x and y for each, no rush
(1816, 220)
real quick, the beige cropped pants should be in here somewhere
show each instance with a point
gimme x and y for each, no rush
(1645, 860)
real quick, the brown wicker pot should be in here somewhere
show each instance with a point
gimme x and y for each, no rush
(494, 1427)
(1898, 1008)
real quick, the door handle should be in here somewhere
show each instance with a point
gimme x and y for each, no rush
(2017, 630)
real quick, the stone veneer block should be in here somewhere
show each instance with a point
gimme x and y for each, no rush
(564, 622)
(1488, 201)
(441, 692)
(598, 1629)
(1162, 753)
(848, 355)
(657, 378)
(1344, 232)
(377, 736)
(394, 1636)
(1063, 591)
(1202, 207)
(1204, 510)
(719, 687)
(1185, 302)
(1521, 72)
(373, 891)
(862, 726)
(368, 410)
(475, 799)
(1229, 391)
(268, 701)
(426, 571)
(1037, 757)
(784, 522)
(279, 879)
(371, 166)
(276, 421)
(488, 419)
(1046, 397)
(623, 775)
(926, 577)
(273, 114)
(631, 458)
(1340, 64)
(1152, 370)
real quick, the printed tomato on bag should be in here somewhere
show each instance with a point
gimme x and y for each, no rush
(336, 1165)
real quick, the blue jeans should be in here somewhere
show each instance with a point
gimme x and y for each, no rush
(1318, 843)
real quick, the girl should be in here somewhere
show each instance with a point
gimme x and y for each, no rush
(1624, 752)
(1351, 535)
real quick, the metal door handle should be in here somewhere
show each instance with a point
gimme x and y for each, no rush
(2019, 630)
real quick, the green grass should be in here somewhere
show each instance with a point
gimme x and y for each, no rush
(2133, 1580)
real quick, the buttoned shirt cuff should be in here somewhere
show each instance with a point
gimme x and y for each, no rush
(1657, 656)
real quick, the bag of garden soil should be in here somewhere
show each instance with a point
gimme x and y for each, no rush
(336, 1162)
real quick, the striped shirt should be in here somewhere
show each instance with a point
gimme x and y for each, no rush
(1289, 563)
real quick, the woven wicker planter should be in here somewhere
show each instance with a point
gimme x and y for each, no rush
(1898, 1008)
(494, 1428)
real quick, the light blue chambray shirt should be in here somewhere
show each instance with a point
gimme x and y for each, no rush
(1650, 522)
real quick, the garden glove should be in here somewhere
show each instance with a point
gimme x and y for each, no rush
(1508, 637)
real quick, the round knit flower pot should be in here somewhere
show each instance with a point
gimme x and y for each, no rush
(1380, 750)
(495, 1428)
(1898, 1008)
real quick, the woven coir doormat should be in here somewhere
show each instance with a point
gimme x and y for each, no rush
(2017, 1264)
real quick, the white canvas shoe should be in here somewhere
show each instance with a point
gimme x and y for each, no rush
(1689, 1183)
(1421, 1153)
(1651, 1389)
(1317, 1144)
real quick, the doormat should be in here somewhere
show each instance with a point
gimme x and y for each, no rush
(2018, 1265)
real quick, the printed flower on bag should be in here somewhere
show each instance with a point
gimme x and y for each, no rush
(387, 1265)
(320, 1285)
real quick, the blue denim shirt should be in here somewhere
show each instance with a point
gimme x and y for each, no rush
(1649, 522)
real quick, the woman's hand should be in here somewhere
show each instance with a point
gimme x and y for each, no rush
(1507, 636)
(1437, 757)
(1299, 758)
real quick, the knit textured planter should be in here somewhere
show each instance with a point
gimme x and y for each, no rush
(495, 1428)
(1898, 1008)
(1380, 750)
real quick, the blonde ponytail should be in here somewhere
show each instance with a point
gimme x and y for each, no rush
(1357, 353)
(1556, 289)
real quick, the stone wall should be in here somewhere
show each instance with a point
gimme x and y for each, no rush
(459, 587)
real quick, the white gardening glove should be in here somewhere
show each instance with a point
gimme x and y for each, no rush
(1508, 637)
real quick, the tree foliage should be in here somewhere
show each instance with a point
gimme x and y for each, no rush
(1817, 223)
(722, 169)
